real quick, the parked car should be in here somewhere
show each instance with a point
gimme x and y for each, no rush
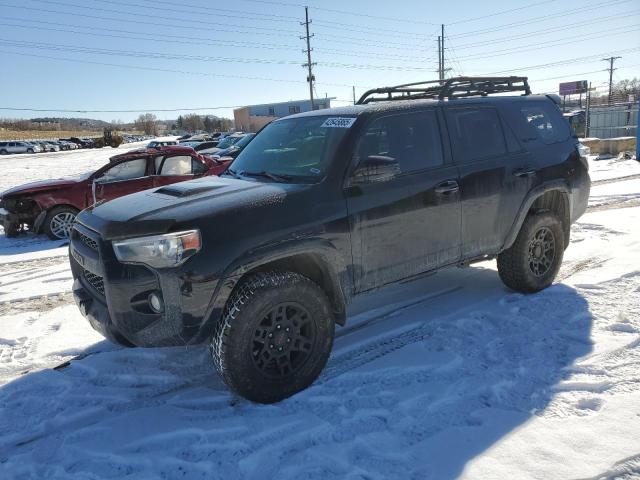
(206, 145)
(224, 144)
(17, 147)
(35, 147)
(52, 205)
(233, 151)
(322, 206)
(161, 143)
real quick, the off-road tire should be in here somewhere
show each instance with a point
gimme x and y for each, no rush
(11, 229)
(47, 227)
(233, 346)
(514, 266)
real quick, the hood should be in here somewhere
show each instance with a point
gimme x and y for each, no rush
(45, 185)
(156, 211)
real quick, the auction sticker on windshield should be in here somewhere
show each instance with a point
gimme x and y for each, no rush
(338, 122)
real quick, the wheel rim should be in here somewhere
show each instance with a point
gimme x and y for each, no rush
(62, 223)
(542, 251)
(283, 340)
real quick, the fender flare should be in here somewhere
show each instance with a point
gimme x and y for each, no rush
(532, 196)
(332, 263)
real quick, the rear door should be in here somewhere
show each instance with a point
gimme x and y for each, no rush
(176, 168)
(408, 224)
(495, 176)
(123, 178)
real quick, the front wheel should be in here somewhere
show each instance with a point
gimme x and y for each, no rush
(274, 337)
(59, 222)
(532, 262)
(11, 229)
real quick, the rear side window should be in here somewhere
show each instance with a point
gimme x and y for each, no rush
(544, 123)
(412, 139)
(476, 133)
(178, 165)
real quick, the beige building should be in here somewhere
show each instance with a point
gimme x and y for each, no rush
(252, 118)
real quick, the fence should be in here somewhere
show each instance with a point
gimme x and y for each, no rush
(611, 121)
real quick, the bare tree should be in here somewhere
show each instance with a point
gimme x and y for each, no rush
(192, 122)
(148, 123)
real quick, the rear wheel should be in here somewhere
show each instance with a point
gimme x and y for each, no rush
(3, 152)
(274, 337)
(59, 221)
(532, 262)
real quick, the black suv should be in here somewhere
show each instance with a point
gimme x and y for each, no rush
(261, 262)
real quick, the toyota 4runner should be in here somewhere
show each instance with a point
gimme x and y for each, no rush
(322, 206)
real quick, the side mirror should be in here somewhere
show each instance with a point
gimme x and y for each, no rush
(376, 168)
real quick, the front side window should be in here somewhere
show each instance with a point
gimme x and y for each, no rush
(547, 127)
(411, 139)
(476, 133)
(178, 165)
(297, 147)
(125, 171)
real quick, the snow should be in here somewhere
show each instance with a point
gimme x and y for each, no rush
(449, 376)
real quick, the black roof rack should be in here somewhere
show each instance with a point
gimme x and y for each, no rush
(451, 88)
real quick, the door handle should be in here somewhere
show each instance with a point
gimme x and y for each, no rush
(524, 172)
(447, 188)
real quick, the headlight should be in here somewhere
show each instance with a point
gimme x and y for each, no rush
(159, 251)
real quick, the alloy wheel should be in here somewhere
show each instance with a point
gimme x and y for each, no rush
(283, 340)
(542, 251)
(62, 223)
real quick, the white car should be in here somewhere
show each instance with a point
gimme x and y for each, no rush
(18, 147)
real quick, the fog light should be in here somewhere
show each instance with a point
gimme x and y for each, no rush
(155, 302)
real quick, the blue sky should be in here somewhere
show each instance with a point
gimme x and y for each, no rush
(149, 54)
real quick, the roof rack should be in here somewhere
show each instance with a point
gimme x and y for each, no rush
(451, 88)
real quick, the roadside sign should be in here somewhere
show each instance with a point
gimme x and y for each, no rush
(572, 88)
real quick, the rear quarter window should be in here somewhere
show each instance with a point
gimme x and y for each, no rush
(545, 122)
(476, 133)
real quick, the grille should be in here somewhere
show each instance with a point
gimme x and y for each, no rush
(96, 281)
(88, 241)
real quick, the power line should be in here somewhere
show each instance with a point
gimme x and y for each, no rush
(202, 58)
(501, 12)
(557, 15)
(550, 43)
(268, 31)
(188, 40)
(535, 33)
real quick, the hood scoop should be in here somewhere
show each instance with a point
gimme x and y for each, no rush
(182, 190)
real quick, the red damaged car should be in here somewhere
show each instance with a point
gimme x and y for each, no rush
(51, 205)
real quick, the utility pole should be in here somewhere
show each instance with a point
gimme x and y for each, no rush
(442, 69)
(354, 94)
(439, 59)
(611, 69)
(309, 65)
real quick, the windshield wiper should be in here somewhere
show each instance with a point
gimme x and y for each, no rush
(269, 175)
(231, 172)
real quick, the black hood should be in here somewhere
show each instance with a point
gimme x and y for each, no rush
(159, 210)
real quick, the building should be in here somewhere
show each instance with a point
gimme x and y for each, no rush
(252, 118)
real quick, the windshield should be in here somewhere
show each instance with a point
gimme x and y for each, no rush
(244, 140)
(228, 141)
(296, 147)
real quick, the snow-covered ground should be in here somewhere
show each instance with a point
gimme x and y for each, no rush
(450, 376)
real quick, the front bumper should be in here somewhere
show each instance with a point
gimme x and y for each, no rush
(114, 297)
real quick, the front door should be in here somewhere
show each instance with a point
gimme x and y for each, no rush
(495, 176)
(410, 223)
(121, 179)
